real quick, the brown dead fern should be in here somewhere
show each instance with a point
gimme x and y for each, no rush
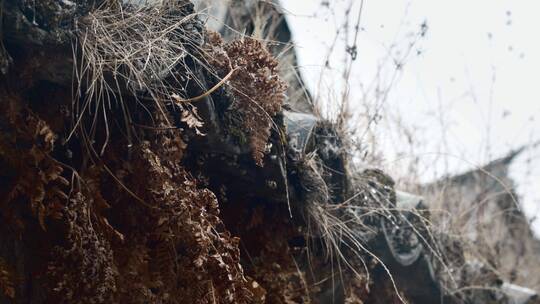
(6, 281)
(193, 255)
(255, 86)
(83, 271)
(39, 181)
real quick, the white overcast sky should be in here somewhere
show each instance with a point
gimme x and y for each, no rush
(478, 64)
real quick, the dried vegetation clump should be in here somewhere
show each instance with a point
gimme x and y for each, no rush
(107, 207)
(136, 46)
(345, 228)
(6, 281)
(26, 146)
(192, 254)
(162, 243)
(268, 261)
(83, 270)
(255, 86)
(110, 228)
(137, 55)
(170, 246)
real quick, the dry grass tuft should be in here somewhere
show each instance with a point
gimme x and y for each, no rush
(345, 228)
(138, 51)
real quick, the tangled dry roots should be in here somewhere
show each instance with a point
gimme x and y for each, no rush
(257, 90)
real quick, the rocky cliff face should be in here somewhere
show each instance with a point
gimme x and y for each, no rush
(146, 159)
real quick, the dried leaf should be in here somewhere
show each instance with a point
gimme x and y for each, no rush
(191, 118)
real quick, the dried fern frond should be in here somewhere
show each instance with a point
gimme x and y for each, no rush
(40, 181)
(255, 86)
(192, 254)
(83, 271)
(7, 286)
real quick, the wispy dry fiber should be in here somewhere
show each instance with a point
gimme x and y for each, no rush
(136, 51)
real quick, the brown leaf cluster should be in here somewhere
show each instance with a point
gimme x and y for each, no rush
(163, 243)
(6, 280)
(38, 181)
(171, 249)
(257, 90)
(83, 271)
(190, 252)
(265, 231)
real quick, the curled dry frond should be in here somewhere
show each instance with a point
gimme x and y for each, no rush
(194, 256)
(28, 149)
(7, 286)
(83, 271)
(257, 90)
